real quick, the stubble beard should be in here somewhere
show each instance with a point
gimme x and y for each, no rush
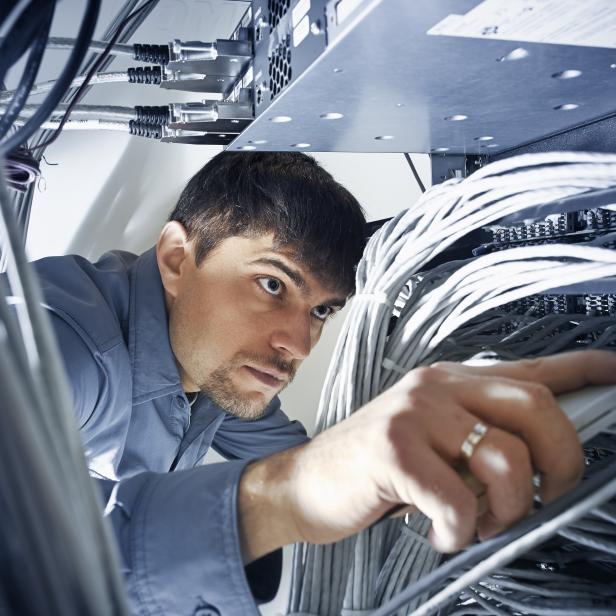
(219, 386)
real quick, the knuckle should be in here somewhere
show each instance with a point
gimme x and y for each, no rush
(540, 397)
(425, 376)
(532, 365)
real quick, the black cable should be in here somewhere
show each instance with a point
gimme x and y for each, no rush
(412, 166)
(19, 38)
(93, 70)
(5, 10)
(478, 552)
(57, 92)
(29, 75)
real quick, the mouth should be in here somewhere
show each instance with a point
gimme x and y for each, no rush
(270, 377)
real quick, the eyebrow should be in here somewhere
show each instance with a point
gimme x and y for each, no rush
(298, 279)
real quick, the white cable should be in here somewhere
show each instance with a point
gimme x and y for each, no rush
(106, 112)
(60, 42)
(518, 547)
(45, 86)
(442, 302)
(88, 124)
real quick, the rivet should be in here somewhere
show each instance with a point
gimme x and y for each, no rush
(300, 145)
(568, 74)
(258, 141)
(566, 107)
(331, 116)
(280, 119)
(518, 53)
(459, 117)
(484, 138)
(247, 147)
(384, 137)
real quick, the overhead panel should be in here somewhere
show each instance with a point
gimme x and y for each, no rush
(451, 76)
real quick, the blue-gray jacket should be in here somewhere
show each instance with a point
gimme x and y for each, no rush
(177, 531)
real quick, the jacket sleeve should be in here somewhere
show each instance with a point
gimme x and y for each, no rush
(177, 533)
(179, 542)
(239, 439)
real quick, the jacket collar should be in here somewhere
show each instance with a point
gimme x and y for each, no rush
(155, 372)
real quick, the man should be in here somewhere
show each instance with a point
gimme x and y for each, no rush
(186, 347)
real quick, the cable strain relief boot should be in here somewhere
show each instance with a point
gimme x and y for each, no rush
(145, 74)
(157, 116)
(153, 54)
(142, 129)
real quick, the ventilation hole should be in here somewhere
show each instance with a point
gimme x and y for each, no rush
(280, 67)
(277, 10)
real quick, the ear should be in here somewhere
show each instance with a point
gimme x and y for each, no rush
(173, 255)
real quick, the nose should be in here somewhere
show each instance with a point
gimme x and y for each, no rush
(292, 337)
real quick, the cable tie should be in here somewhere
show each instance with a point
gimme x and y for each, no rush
(379, 298)
(389, 364)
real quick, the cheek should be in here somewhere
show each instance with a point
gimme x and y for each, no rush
(214, 323)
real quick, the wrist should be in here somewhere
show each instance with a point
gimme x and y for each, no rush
(266, 505)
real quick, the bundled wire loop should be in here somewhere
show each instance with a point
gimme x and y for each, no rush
(410, 311)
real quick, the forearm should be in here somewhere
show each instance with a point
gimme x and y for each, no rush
(265, 511)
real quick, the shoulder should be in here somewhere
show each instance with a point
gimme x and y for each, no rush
(92, 298)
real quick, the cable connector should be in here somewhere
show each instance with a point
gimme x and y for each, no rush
(143, 129)
(153, 54)
(145, 74)
(230, 117)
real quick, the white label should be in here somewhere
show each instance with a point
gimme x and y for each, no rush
(590, 23)
(302, 31)
(302, 7)
(344, 8)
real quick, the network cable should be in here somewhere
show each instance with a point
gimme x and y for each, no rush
(142, 52)
(455, 299)
(62, 83)
(138, 74)
(58, 553)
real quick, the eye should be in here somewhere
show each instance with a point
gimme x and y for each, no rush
(273, 286)
(322, 312)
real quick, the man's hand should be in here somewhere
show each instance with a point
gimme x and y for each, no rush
(403, 447)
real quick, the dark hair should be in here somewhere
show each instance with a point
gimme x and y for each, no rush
(284, 193)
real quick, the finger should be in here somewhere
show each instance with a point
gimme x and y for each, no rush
(502, 463)
(440, 494)
(561, 373)
(530, 411)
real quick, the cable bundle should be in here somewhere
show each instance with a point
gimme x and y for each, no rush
(57, 554)
(370, 355)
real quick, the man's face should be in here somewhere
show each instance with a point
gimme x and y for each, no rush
(241, 323)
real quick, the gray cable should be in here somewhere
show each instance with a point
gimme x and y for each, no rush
(370, 356)
(60, 42)
(45, 86)
(45, 476)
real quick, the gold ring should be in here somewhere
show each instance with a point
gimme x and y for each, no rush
(472, 440)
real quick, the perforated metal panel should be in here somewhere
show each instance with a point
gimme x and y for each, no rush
(277, 10)
(280, 71)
